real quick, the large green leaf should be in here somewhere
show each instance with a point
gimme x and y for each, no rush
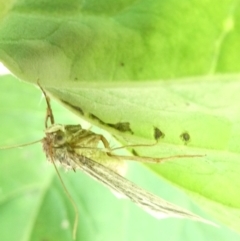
(118, 40)
(92, 56)
(33, 205)
(176, 108)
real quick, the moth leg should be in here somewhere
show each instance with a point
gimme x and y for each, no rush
(152, 159)
(105, 143)
(140, 158)
(135, 145)
(49, 113)
(157, 135)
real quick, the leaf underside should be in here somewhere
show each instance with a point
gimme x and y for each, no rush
(128, 67)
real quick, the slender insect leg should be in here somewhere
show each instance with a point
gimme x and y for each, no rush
(49, 114)
(105, 142)
(152, 159)
(135, 145)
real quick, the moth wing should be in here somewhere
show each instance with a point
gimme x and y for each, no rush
(151, 203)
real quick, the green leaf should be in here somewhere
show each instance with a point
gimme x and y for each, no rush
(118, 40)
(209, 118)
(105, 60)
(34, 205)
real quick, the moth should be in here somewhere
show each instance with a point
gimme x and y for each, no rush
(77, 148)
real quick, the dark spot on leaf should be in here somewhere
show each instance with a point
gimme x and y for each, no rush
(158, 134)
(122, 64)
(121, 126)
(94, 117)
(76, 108)
(134, 152)
(185, 137)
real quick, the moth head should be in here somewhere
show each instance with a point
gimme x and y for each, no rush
(57, 134)
(61, 134)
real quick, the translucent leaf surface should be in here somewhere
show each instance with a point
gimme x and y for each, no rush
(33, 203)
(106, 60)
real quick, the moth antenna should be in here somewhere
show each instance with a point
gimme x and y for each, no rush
(21, 145)
(74, 232)
(49, 114)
